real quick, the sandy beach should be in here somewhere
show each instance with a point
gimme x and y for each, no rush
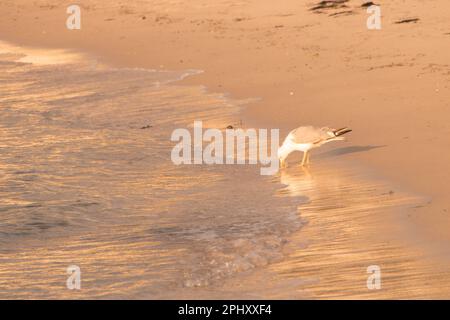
(302, 66)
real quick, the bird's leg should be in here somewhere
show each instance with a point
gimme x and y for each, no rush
(282, 163)
(305, 155)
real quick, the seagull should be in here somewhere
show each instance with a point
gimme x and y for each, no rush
(306, 138)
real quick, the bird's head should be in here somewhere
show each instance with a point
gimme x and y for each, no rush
(279, 153)
(283, 152)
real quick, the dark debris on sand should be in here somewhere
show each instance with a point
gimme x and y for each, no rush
(368, 4)
(342, 13)
(329, 4)
(412, 20)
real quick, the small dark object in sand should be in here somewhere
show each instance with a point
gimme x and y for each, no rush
(368, 4)
(413, 20)
(146, 127)
(341, 13)
(236, 125)
(144, 17)
(329, 4)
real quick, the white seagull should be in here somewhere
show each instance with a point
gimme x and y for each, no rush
(306, 138)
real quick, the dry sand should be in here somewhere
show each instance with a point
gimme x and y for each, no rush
(392, 86)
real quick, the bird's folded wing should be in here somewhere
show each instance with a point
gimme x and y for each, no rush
(309, 134)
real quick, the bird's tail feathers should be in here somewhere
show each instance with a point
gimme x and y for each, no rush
(341, 131)
(337, 136)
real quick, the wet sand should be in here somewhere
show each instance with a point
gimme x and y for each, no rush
(391, 86)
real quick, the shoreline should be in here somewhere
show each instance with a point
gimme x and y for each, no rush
(97, 191)
(261, 71)
(394, 94)
(323, 182)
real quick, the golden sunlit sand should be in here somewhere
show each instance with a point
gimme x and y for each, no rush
(86, 117)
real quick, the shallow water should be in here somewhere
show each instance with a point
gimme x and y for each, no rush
(86, 179)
